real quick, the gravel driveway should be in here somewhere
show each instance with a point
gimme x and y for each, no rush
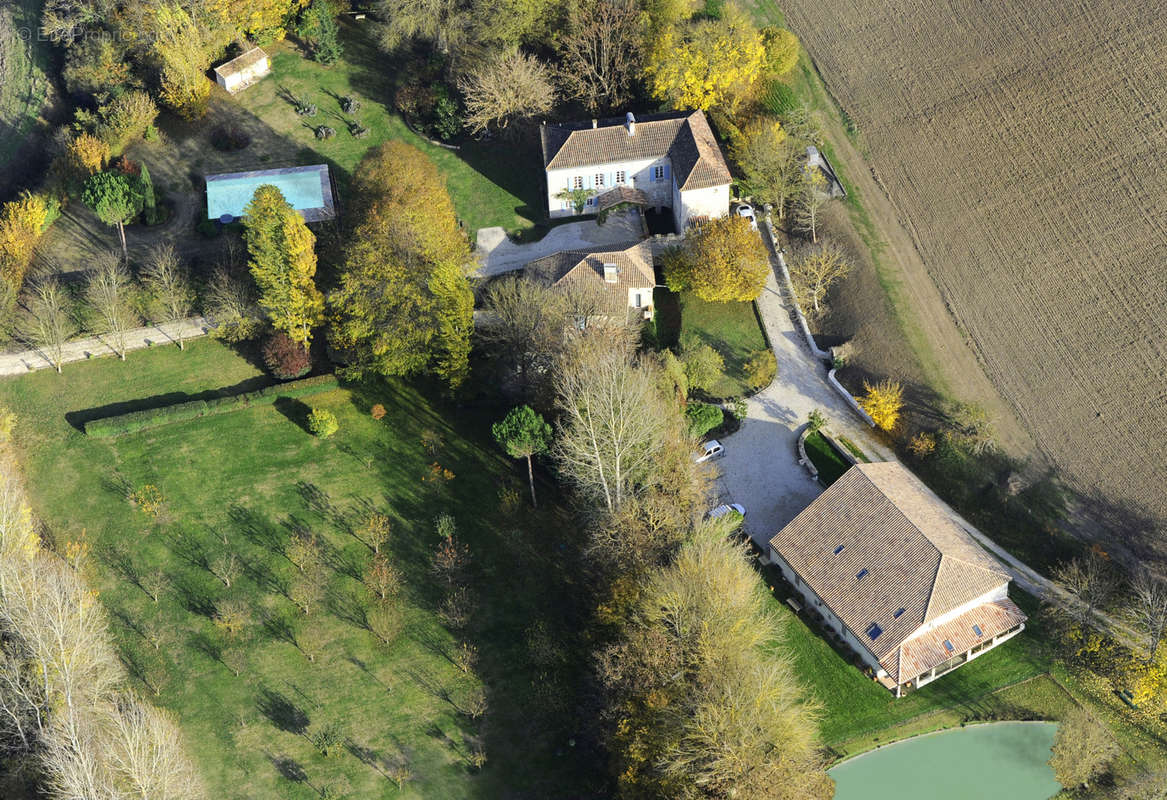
(497, 254)
(760, 467)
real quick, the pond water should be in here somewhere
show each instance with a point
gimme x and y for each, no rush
(1001, 761)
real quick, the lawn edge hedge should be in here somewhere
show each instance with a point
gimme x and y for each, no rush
(135, 421)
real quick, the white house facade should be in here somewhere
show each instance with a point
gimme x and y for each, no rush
(673, 159)
(893, 573)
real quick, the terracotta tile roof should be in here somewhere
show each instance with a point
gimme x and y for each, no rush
(926, 650)
(621, 194)
(908, 545)
(633, 263)
(684, 136)
(242, 62)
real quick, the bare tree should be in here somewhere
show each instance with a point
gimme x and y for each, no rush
(585, 301)
(1148, 608)
(815, 270)
(107, 291)
(23, 709)
(153, 583)
(601, 52)
(50, 322)
(168, 281)
(226, 567)
(231, 299)
(509, 87)
(145, 753)
(522, 326)
(1092, 582)
(614, 420)
(810, 202)
(1082, 749)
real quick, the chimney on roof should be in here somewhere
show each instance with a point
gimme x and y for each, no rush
(630, 123)
(594, 124)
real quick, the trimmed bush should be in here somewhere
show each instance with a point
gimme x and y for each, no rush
(284, 358)
(761, 369)
(322, 422)
(702, 418)
(181, 412)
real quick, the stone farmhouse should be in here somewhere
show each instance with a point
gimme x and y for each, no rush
(616, 283)
(894, 574)
(659, 161)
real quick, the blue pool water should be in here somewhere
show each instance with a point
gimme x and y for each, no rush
(1001, 761)
(306, 188)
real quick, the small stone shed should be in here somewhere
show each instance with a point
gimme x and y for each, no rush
(242, 71)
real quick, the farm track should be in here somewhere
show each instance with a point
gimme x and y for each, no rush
(1022, 146)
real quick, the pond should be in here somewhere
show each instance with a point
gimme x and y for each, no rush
(1001, 760)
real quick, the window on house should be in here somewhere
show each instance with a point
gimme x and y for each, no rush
(577, 182)
(599, 179)
(862, 572)
(977, 630)
(636, 300)
(873, 631)
(839, 549)
(899, 613)
(658, 173)
(620, 176)
(610, 273)
(948, 646)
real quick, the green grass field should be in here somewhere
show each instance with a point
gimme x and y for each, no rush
(732, 329)
(491, 184)
(826, 460)
(25, 64)
(242, 482)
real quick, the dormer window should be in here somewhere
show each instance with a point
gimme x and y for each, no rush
(839, 549)
(611, 273)
(861, 573)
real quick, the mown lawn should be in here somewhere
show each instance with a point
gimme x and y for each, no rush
(855, 706)
(826, 460)
(732, 329)
(491, 184)
(243, 482)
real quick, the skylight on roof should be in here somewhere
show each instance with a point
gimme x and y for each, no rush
(862, 572)
(977, 630)
(948, 646)
(873, 631)
(899, 613)
(839, 549)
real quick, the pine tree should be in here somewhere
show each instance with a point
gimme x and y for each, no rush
(283, 263)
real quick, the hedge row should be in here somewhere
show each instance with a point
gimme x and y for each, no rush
(180, 412)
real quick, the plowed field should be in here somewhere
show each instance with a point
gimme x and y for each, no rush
(1024, 147)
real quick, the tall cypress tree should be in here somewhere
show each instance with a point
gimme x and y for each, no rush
(283, 263)
(146, 188)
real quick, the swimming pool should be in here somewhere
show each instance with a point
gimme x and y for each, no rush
(998, 760)
(308, 189)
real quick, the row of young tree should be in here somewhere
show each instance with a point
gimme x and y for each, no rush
(68, 725)
(695, 699)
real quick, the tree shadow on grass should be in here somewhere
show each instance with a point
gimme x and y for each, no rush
(78, 418)
(282, 712)
(295, 410)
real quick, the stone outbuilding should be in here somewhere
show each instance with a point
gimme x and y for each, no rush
(243, 70)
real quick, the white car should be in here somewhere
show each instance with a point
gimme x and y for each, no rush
(726, 508)
(746, 211)
(710, 450)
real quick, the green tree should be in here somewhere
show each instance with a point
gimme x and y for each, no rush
(283, 263)
(113, 200)
(523, 433)
(1082, 749)
(723, 260)
(702, 418)
(703, 367)
(318, 26)
(770, 163)
(146, 190)
(404, 304)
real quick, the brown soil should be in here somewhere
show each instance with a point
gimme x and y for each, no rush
(1017, 175)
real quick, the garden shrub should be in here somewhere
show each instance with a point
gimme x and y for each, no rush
(322, 422)
(126, 119)
(761, 368)
(307, 109)
(349, 104)
(284, 358)
(702, 418)
(325, 132)
(208, 228)
(149, 418)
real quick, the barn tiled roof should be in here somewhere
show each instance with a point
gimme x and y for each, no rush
(921, 653)
(910, 548)
(633, 263)
(241, 63)
(684, 136)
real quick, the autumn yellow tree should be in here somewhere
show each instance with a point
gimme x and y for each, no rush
(21, 223)
(262, 20)
(723, 260)
(883, 402)
(283, 263)
(183, 50)
(404, 303)
(770, 163)
(781, 50)
(86, 155)
(707, 63)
